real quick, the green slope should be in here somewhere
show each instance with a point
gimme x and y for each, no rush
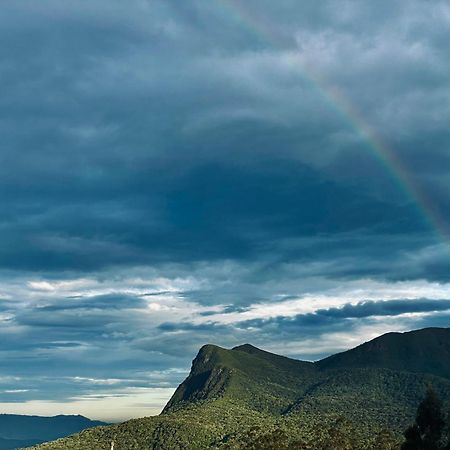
(232, 398)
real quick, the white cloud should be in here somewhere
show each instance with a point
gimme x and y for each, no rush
(350, 292)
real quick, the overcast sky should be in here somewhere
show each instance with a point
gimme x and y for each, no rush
(175, 173)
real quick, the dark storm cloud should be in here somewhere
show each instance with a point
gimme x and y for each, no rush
(133, 153)
(332, 316)
(386, 308)
(102, 302)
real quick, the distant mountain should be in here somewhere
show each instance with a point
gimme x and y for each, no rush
(421, 351)
(19, 431)
(246, 398)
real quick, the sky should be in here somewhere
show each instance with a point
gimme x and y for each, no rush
(176, 173)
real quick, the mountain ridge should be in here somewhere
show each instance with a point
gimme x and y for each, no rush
(369, 391)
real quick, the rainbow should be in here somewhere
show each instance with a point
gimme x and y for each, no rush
(382, 152)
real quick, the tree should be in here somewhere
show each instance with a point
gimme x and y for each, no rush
(426, 433)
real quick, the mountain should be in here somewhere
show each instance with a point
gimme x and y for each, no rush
(261, 380)
(247, 398)
(19, 431)
(422, 351)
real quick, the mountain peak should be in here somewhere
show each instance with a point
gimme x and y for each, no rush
(207, 379)
(245, 347)
(218, 372)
